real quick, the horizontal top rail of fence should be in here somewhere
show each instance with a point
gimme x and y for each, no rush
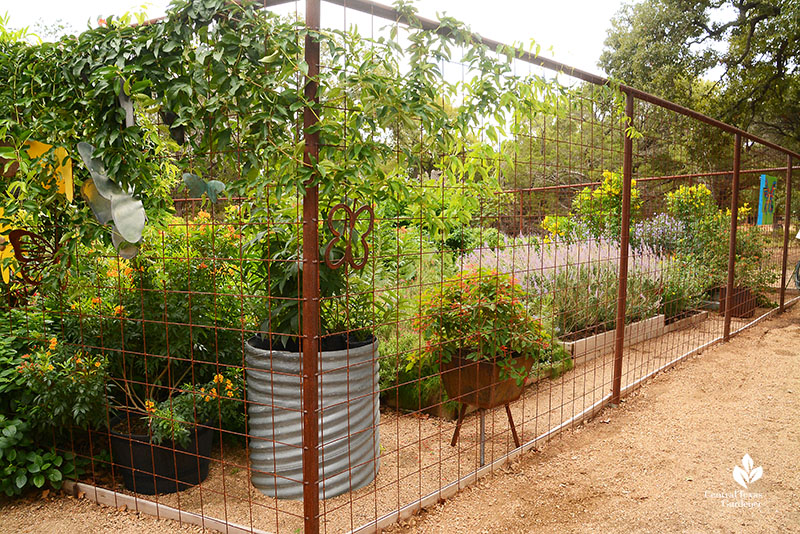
(392, 14)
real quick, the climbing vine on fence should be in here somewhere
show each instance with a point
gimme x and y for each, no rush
(216, 90)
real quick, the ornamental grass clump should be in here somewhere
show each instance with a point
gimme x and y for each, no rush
(480, 314)
(536, 264)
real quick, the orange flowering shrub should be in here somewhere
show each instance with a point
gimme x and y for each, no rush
(68, 385)
(218, 401)
(482, 313)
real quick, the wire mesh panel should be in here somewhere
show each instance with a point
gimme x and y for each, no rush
(145, 252)
(324, 273)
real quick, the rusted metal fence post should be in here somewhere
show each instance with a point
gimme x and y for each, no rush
(310, 317)
(624, 237)
(787, 217)
(737, 159)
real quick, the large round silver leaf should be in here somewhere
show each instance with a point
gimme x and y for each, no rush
(213, 189)
(125, 249)
(129, 217)
(195, 184)
(126, 104)
(198, 187)
(105, 186)
(101, 207)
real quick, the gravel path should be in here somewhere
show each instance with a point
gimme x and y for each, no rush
(661, 462)
(61, 514)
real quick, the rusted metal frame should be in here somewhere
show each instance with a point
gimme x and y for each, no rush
(737, 157)
(346, 235)
(644, 179)
(787, 216)
(386, 12)
(383, 11)
(624, 237)
(310, 318)
(666, 104)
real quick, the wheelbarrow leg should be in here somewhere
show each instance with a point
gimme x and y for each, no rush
(461, 414)
(513, 428)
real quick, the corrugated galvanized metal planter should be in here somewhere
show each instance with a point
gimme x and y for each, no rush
(349, 419)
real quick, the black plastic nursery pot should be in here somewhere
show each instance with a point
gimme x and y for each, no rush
(149, 469)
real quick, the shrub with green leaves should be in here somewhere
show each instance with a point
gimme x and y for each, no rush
(563, 229)
(465, 239)
(482, 313)
(414, 381)
(684, 282)
(600, 209)
(24, 465)
(14, 392)
(707, 236)
(178, 302)
(691, 204)
(68, 387)
(219, 403)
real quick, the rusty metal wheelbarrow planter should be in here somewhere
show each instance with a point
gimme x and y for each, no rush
(479, 384)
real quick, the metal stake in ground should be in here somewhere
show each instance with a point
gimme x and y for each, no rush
(787, 218)
(624, 237)
(737, 158)
(310, 317)
(483, 437)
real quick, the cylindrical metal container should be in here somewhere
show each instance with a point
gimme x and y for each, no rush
(348, 423)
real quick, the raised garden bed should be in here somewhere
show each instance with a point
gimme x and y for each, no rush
(588, 348)
(686, 322)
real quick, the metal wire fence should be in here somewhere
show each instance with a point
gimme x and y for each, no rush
(333, 361)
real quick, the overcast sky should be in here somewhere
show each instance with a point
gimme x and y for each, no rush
(575, 29)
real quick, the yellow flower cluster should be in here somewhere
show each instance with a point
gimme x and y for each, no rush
(696, 196)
